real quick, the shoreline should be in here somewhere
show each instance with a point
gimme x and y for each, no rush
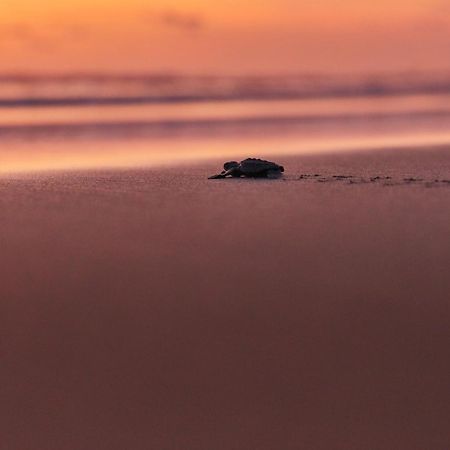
(160, 162)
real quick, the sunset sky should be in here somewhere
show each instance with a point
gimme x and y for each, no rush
(234, 36)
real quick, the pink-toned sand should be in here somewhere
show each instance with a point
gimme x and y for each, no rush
(153, 309)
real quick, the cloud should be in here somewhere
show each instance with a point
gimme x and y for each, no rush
(39, 38)
(182, 21)
(23, 36)
(16, 32)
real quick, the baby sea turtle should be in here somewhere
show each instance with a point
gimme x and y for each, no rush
(252, 168)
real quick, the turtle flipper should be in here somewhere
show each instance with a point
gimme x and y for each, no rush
(223, 174)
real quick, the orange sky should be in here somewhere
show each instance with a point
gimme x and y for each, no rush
(231, 36)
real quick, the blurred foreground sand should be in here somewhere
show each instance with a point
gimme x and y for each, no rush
(152, 309)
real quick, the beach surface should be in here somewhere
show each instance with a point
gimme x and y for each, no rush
(154, 309)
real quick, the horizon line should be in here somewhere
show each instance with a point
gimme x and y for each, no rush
(16, 75)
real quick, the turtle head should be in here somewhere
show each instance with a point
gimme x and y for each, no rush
(230, 165)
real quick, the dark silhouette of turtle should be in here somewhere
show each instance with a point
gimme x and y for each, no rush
(252, 168)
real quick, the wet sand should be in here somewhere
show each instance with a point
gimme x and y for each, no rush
(154, 309)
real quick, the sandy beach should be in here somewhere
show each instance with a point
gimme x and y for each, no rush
(154, 309)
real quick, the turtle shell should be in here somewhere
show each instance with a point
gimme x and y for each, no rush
(253, 166)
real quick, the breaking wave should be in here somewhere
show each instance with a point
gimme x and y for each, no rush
(86, 90)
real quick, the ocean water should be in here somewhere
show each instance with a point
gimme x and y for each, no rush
(90, 121)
